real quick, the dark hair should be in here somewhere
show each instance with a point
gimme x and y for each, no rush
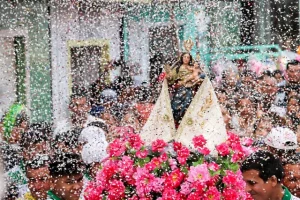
(12, 191)
(265, 163)
(37, 162)
(33, 136)
(78, 92)
(247, 72)
(144, 94)
(20, 118)
(181, 61)
(291, 159)
(44, 127)
(292, 62)
(267, 73)
(243, 95)
(69, 138)
(297, 98)
(277, 71)
(66, 164)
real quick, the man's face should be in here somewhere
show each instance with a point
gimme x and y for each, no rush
(16, 133)
(79, 105)
(68, 187)
(248, 80)
(231, 78)
(263, 128)
(292, 178)
(245, 107)
(293, 106)
(39, 182)
(259, 189)
(293, 73)
(268, 87)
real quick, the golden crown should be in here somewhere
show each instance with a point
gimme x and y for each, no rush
(188, 44)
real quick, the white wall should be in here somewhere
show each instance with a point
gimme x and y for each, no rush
(65, 26)
(7, 69)
(138, 39)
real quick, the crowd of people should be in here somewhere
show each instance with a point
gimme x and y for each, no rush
(42, 161)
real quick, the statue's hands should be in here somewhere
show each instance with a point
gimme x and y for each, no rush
(167, 69)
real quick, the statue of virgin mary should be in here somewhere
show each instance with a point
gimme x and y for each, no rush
(190, 109)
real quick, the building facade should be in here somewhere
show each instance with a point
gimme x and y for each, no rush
(47, 46)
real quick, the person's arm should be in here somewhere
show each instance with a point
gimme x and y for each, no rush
(190, 68)
(170, 74)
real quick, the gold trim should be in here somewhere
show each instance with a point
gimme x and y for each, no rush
(105, 58)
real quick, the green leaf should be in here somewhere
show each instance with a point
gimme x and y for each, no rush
(184, 170)
(199, 162)
(213, 173)
(141, 162)
(234, 167)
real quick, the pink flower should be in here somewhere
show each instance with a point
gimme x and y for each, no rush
(238, 152)
(182, 152)
(163, 157)
(157, 184)
(232, 138)
(116, 190)
(199, 186)
(194, 196)
(173, 163)
(170, 194)
(143, 181)
(198, 173)
(109, 168)
(199, 141)
(185, 188)
(158, 145)
(247, 141)
(134, 140)
(116, 148)
(126, 169)
(135, 197)
(213, 181)
(174, 179)
(93, 191)
(230, 193)
(204, 150)
(142, 153)
(154, 163)
(213, 166)
(230, 179)
(212, 194)
(223, 149)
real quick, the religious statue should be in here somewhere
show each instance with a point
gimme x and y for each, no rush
(187, 106)
(185, 76)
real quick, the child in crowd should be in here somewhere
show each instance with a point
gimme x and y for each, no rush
(291, 178)
(67, 142)
(39, 179)
(66, 171)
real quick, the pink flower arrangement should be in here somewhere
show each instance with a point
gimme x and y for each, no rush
(134, 171)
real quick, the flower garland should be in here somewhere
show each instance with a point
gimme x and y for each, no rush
(170, 171)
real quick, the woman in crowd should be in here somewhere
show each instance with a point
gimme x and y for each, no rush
(144, 104)
(243, 120)
(14, 123)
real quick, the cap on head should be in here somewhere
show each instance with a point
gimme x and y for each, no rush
(281, 138)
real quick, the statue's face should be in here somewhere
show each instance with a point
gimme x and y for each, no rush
(186, 59)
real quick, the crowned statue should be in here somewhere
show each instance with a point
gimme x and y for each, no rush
(187, 105)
